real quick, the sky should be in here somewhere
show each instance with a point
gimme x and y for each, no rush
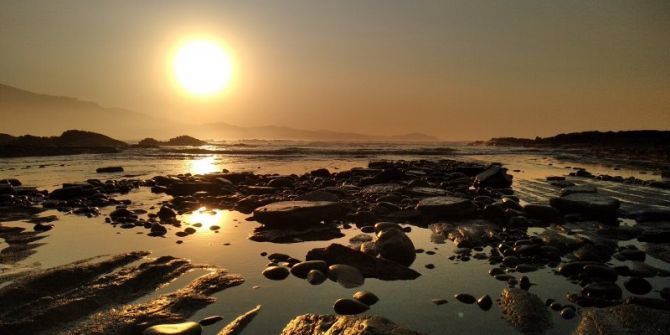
(453, 69)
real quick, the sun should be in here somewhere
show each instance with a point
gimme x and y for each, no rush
(202, 67)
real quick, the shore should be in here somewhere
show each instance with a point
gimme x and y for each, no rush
(437, 214)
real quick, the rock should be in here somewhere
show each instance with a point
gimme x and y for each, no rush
(42, 227)
(592, 205)
(186, 328)
(301, 269)
(439, 301)
(637, 285)
(602, 290)
(346, 275)
(157, 229)
(311, 324)
(465, 298)
(485, 302)
(366, 297)
(578, 189)
(299, 212)
(236, 326)
(446, 207)
(349, 307)
(540, 212)
(495, 176)
(318, 195)
(296, 234)
(316, 277)
(393, 244)
(166, 214)
(525, 311)
(568, 313)
(185, 188)
(665, 293)
(281, 182)
(109, 169)
(623, 320)
(276, 272)
(210, 320)
(369, 266)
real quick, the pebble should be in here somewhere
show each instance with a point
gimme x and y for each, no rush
(346, 275)
(276, 272)
(301, 269)
(366, 297)
(439, 301)
(568, 313)
(186, 328)
(485, 302)
(210, 320)
(315, 277)
(349, 307)
(637, 285)
(465, 298)
(430, 266)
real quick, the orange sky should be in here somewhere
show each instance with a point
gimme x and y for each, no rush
(453, 69)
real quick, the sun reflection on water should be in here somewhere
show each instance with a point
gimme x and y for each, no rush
(203, 165)
(208, 218)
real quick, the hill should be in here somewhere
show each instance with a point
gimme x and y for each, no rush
(22, 111)
(69, 143)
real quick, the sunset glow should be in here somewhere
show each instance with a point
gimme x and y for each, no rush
(202, 67)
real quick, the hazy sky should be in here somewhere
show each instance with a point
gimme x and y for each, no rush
(454, 69)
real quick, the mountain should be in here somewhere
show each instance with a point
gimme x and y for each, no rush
(69, 143)
(228, 131)
(24, 112)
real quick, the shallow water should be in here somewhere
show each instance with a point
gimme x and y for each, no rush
(405, 302)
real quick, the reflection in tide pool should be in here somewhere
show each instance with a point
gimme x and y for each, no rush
(203, 165)
(207, 218)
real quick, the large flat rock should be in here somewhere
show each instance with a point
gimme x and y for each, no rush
(592, 205)
(299, 212)
(446, 207)
(623, 320)
(312, 324)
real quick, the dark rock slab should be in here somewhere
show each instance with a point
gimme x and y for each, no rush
(285, 213)
(592, 205)
(296, 234)
(446, 207)
(495, 176)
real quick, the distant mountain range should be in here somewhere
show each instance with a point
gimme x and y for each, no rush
(25, 112)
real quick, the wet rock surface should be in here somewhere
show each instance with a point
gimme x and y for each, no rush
(88, 296)
(525, 311)
(312, 324)
(623, 319)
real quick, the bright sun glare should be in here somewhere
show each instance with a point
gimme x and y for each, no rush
(202, 67)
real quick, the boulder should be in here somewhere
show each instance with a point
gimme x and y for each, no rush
(393, 244)
(495, 176)
(525, 311)
(446, 207)
(623, 320)
(285, 213)
(312, 324)
(592, 205)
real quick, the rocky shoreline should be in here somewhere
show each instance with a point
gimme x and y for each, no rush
(473, 205)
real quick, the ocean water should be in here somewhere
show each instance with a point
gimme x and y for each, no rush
(405, 302)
